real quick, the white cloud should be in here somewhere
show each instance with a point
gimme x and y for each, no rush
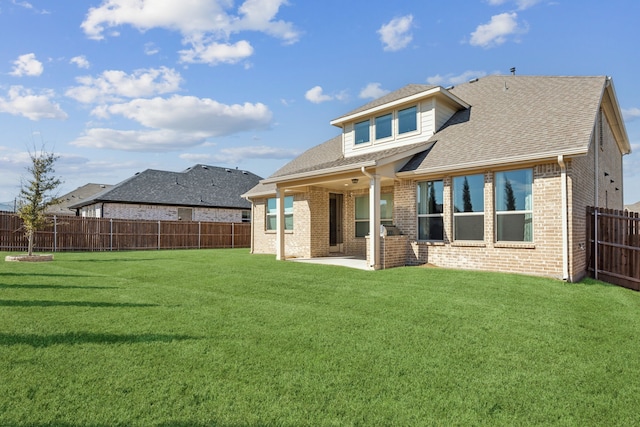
(27, 65)
(450, 79)
(212, 20)
(631, 113)
(151, 49)
(81, 61)
(114, 84)
(396, 34)
(316, 95)
(373, 91)
(191, 114)
(29, 6)
(496, 31)
(175, 123)
(521, 4)
(237, 154)
(138, 140)
(215, 53)
(23, 102)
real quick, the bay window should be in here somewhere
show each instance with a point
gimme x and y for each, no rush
(430, 209)
(514, 210)
(468, 207)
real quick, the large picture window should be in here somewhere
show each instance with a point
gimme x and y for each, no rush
(384, 127)
(272, 213)
(362, 213)
(468, 207)
(514, 210)
(408, 120)
(361, 131)
(430, 208)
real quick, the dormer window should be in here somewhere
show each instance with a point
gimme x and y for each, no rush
(384, 129)
(362, 134)
(408, 120)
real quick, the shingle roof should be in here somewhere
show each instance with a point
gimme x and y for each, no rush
(515, 117)
(511, 118)
(197, 186)
(76, 196)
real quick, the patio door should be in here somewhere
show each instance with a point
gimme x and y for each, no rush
(335, 222)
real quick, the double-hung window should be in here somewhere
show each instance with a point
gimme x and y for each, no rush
(407, 120)
(514, 210)
(272, 213)
(361, 132)
(362, 213)
(430, 209)
(468, 207)
(384, 128)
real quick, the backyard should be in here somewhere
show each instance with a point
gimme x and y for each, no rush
(219, 337)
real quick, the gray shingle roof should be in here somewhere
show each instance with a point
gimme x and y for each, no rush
(197, 186)
(513, 117)
(76, 196)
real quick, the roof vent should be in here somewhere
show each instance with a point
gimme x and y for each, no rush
(449, 87)
(228, 170)
(245, 173)
(473, 80)
(204, 167)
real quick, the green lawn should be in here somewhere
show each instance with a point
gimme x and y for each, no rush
(224, 338)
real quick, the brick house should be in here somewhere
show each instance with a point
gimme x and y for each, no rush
(493, 174)
(200, 193)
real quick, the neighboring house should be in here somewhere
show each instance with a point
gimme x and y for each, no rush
(74, 197)
(493, 174)
(200, 193)
(634, 207)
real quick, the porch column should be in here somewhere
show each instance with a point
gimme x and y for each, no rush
(280, 224)
(374, 221)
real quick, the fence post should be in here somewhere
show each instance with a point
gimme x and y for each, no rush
(199, 233)
(55, 233)
(158, 234)
(111, 234)
(233, 235)
(595, 242)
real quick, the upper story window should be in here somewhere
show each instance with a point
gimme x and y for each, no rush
(408, 120)
(361, 130)
(384, 128)
(514, 210)
(272, 213)
(468, 207)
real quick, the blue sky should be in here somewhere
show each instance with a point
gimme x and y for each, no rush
(115, 87)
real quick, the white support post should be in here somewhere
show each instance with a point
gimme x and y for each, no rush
(374, 221)
(280, 224)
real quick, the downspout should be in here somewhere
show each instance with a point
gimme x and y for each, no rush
(565, 227)
(374, 219)
(252, 235)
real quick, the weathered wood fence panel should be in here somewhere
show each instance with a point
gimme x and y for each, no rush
(68, 233)
(614, 246)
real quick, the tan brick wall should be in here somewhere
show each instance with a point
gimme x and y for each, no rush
(162, 213)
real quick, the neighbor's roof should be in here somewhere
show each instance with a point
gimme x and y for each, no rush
(197, 186)
(74, 197)
(510, 119)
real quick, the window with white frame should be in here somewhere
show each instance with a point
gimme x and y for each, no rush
(468, 207)
(361, 132)
(384, 127)
(272, 213)
(514, 210)
(362, 213)
(246, 216)
(430, 210)
(408, 120)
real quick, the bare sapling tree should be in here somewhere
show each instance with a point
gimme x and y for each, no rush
(37, 193)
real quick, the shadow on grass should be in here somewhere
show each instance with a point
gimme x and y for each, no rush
(47, 303)
(3, 286)
(75, 338)
(11, 273)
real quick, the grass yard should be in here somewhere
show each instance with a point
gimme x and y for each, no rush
(224, 338)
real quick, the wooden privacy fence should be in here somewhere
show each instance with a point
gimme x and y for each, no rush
(614, 246)
(70, 233)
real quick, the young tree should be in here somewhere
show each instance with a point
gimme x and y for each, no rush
(36, 193)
